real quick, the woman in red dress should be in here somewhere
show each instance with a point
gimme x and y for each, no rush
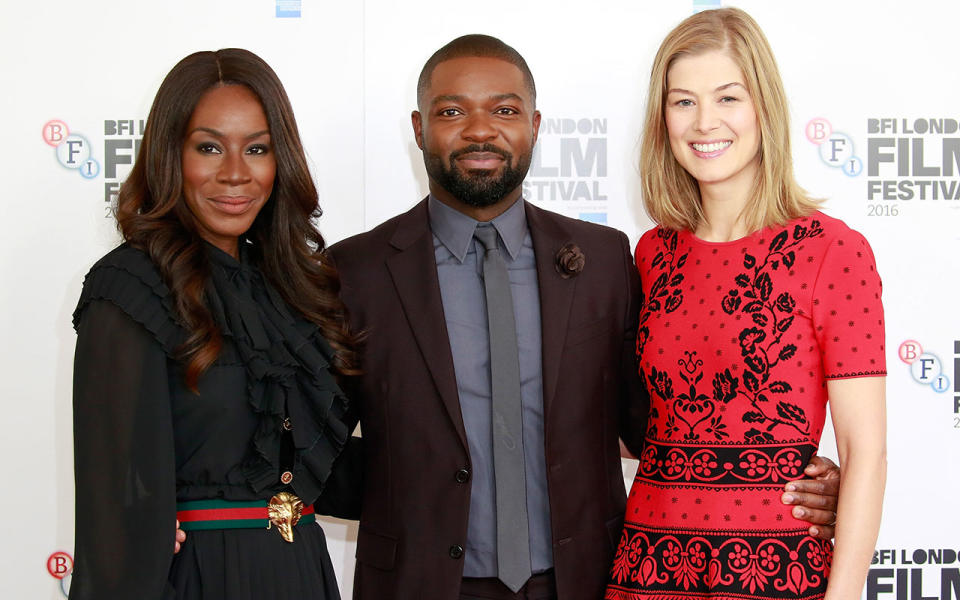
(757, 309)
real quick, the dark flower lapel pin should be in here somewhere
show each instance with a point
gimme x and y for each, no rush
(570, 261)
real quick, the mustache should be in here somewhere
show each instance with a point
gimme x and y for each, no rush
(481, 148)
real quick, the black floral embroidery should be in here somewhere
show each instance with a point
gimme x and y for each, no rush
(761, 344)
(724, 387)
(785, 303)
(693, 412)
(665, 293)
(665, 564)
(769, 464)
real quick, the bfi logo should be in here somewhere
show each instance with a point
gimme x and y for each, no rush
(121, 144)
(73, 150)
(925, 367)
(60, 567)
(835, 148)
(927, 370)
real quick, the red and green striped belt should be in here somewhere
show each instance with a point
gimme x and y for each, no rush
(283, 510)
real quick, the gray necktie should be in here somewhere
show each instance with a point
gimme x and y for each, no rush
(513, 539)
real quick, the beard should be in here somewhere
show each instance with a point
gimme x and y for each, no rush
(478, 187)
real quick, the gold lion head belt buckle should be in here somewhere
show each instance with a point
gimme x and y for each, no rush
(284, 511)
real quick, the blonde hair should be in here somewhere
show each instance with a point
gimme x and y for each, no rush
(671, 196)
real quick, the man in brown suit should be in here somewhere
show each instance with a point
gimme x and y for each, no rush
(429, 525)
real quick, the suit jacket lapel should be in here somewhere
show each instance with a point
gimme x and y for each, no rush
(414, 273)
(556, 295)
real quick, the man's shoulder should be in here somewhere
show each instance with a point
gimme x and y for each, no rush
(381, 235)
(366, 239)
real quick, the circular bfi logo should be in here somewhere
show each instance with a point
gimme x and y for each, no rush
(73, 150)
(925, 367)
(60, 567)
(836, 148)
(928, 370)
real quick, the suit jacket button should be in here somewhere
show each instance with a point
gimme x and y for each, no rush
(456, 551)
(462, 476)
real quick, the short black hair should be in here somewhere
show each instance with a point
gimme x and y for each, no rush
(475, 45)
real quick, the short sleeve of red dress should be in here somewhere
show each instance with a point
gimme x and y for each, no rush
(847, 310)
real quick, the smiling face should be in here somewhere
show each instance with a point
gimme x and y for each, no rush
(228, 164)
(712, 124)
(477, 132)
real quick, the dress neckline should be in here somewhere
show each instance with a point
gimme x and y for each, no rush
(737, 242)
(224, 259)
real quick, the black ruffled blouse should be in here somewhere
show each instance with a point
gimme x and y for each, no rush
(269, 406)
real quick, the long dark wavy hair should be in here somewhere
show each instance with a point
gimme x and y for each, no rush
(153, 216)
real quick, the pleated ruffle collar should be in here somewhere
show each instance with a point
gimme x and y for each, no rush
(287, 361)
(288, 375)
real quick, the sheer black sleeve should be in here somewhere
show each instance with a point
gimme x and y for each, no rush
(124, 460)
(343, 492)
(634, 403)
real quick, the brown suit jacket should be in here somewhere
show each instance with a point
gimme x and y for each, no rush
(416, 464)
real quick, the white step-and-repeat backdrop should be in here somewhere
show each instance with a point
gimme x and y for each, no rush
(873, 87)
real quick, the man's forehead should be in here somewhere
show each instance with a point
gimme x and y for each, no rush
(477, 63)
(505, 97)
(468, 74)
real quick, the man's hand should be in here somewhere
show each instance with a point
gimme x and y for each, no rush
(180, 538)
(815, 499)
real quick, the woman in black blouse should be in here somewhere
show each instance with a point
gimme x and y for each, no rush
(208, 344)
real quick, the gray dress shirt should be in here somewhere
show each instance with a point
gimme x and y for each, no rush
(459, 268)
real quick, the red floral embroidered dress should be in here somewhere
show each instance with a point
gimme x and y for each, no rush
(736, 343)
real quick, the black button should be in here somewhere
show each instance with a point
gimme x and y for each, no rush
(456, 551)
(287, 424)
(462, 476)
